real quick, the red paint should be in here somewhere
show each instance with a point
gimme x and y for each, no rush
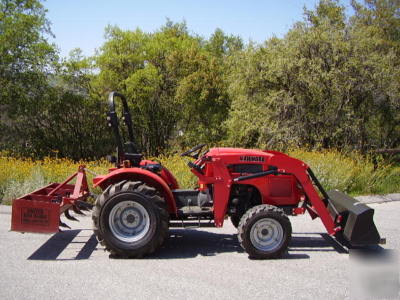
(37, 211)
(139, 174)
(35, 216)
(275, 190)
(40, 210)
(298, 210)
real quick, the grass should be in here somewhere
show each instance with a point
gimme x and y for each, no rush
(353, 174)
(19, 176)
(178, 166)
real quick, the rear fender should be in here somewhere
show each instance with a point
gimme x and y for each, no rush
(137, 174)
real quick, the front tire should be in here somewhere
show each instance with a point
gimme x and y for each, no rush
(264, 232)
(130, 219)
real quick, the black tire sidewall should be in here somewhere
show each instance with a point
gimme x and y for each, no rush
(235, 219)
(151, 209)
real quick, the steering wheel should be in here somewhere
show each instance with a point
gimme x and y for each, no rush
(195, 150)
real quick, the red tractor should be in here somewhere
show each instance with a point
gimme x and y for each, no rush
(140, 198)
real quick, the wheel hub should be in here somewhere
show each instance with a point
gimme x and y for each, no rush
(129, 221)
(266, 234)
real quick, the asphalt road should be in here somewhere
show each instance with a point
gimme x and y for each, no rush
(205, 263)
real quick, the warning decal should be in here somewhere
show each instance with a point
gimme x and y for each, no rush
(35, 216)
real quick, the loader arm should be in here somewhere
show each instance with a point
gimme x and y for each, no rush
(338, 212)
(316, 204)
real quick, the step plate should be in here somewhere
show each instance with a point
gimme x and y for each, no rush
(195, 211)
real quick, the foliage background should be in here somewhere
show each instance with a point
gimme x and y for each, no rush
(353, 174)
(331, 84)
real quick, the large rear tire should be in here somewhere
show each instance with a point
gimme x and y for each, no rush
(264, 232)
(130, 219)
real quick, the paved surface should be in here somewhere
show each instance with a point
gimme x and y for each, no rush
(205, 263)
(379, 198)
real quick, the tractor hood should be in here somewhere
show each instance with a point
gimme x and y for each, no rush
(240, 151)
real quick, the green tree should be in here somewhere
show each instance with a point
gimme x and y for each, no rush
(24, 51)
(375, 29)
(175, 84)
(203, 93)
(45, 102)
(331, 81)
(323, 85)
(66, 118)
(25, 57)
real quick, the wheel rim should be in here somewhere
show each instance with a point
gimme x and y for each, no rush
(129, 221)
(266, 234)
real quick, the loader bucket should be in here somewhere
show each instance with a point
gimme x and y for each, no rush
(356, 219)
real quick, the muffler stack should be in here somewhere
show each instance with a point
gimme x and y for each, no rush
(40, 210)
(355, 218)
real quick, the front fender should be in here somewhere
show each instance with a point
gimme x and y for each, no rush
(138, 174)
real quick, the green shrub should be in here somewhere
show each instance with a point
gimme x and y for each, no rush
(352, 173)
(14, 188)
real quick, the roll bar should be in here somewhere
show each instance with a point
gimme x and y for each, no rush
(125, 149)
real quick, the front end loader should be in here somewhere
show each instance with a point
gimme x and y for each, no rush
(141, 199)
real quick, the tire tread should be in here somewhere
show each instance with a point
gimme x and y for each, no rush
(153, 196)
(243, 230)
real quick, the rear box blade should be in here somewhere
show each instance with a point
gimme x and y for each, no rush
(36, 211)
(357, 219)
(35, 216)
(39, 211)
